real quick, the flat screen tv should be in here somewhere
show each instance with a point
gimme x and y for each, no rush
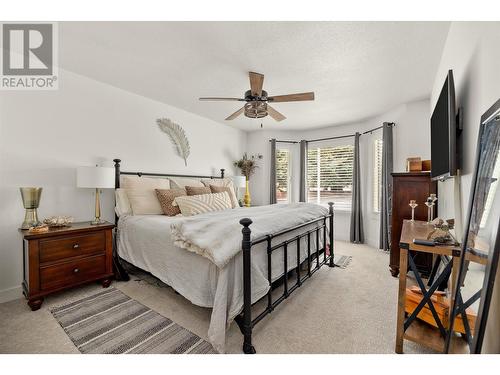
(444, 158)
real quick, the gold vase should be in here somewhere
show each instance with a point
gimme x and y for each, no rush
(31, 201)
(246, 198)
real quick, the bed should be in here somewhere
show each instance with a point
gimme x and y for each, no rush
(241, 270)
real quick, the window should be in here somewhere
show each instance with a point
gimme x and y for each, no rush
(329, 175)
(377, 174)
(283, 193)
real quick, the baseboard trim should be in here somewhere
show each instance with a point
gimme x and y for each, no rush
(11, 294)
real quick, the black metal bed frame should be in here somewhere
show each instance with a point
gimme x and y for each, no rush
(314, 251)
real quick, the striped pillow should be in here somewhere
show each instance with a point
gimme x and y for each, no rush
(198, 204)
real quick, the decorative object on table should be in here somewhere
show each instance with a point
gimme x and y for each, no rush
(59, 221)
(239, 182)
(414, 164)
(177, 136)
(441, 233)
(426, 165)
(96, 178)
(430, 210)
(31, 201)
(39, 228)
(480, 250)
(247, 165)
(413, 203)
(434, 199)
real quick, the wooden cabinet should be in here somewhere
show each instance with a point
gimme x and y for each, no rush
(65, 257)
(407, 186)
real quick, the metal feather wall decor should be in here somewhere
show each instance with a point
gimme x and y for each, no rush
(177, 136)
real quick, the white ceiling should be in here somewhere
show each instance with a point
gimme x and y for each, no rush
(356, 69)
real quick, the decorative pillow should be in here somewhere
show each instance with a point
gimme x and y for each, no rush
(198, 204)
(197, 190)
(136, 182)
(226, 182)
(228, 190)
(144, 202)
(122, 206)
(166, 198)
(180, 183)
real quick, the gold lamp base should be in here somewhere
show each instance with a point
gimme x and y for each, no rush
(97, 220)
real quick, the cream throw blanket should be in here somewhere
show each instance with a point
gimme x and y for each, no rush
(217, 235)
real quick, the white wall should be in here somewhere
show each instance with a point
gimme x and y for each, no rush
(411, 138)
(44, 136)
(471, 50)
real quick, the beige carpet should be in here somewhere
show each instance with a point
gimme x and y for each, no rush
(350, 310)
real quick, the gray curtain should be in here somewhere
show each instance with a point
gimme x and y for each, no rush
(272, 168)
(303, 171)
(386, 191)
(357, 234)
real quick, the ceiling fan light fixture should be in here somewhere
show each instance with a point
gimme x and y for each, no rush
(256, 109)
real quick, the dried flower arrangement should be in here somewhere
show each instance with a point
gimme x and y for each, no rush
(248, 164)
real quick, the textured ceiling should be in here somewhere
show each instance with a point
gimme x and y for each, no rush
(356, 69)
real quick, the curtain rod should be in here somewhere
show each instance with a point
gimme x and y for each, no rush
(338, 137)
(284, 141)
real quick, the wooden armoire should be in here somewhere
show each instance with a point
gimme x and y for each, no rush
(405, 187)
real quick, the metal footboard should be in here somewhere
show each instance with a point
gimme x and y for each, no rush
(245, 321)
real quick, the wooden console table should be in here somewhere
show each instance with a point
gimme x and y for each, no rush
(418, 331)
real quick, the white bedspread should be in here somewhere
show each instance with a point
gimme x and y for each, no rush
(146, 241)
(217, 235)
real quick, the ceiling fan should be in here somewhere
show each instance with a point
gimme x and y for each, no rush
(257, 100)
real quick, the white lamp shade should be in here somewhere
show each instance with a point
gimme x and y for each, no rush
(239, 181)
(95, 177)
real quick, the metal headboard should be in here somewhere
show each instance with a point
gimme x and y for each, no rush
(119, 172)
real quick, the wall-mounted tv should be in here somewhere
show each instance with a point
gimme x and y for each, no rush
(444, 133)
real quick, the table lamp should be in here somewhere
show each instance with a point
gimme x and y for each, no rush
(239, 182)
(96, 178)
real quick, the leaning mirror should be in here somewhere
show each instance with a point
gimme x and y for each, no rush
(481, 242)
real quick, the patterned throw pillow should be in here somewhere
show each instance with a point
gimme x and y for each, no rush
(198, 204)
(223, 182)
(197, 190)
(166, 198)
(228, 190)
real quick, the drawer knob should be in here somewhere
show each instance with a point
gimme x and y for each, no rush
(76, 246)
(76, 270)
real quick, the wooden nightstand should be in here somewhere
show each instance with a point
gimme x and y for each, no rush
(65, 257)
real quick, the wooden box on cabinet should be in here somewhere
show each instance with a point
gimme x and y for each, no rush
(407, 186)
(65, 257)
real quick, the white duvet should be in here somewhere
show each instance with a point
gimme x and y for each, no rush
(210, 274)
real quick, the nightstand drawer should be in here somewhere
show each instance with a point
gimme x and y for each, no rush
(62, 248)
(72, 272)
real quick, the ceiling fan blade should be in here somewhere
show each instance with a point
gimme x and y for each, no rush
(292, 97)
(256, 82)
(222, 99)
(275, 114)
(236, 114)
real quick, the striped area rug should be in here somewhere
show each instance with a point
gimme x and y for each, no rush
(110, 322)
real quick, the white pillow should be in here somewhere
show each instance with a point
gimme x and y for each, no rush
(198, 204)
(181, 182)
(225, 182)
(122, 206)
(144, 202)
(136, 182)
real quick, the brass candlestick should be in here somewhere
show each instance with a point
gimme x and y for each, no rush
(31, 201)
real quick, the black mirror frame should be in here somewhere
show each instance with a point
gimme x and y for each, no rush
(492, 265)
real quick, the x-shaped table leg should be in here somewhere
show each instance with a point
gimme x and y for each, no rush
(426, 295)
